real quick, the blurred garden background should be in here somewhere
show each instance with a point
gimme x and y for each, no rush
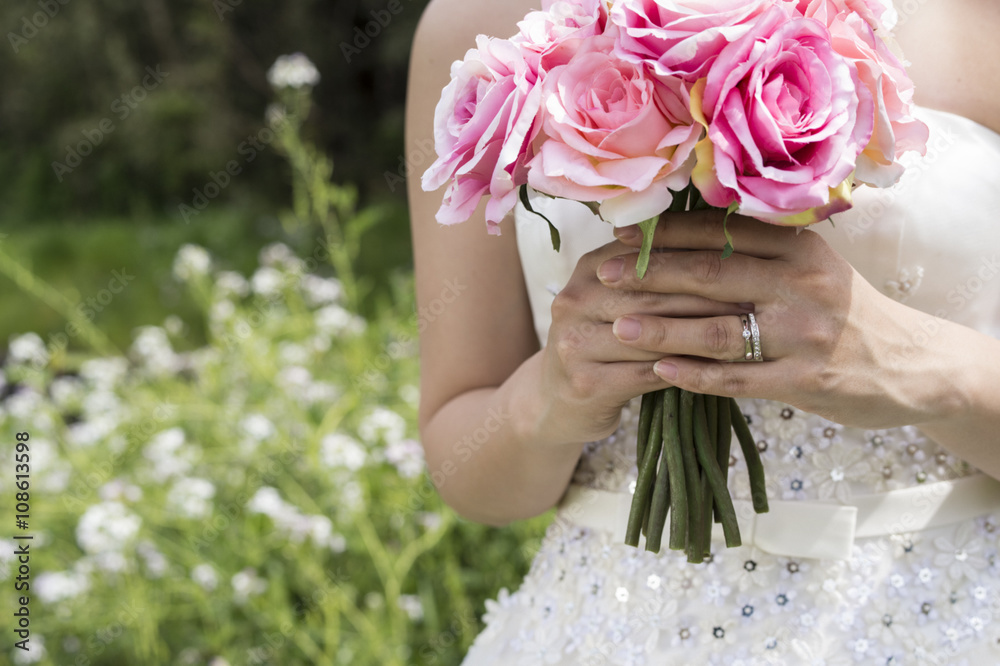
(208, 344)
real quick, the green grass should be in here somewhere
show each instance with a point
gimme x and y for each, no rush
(79, 261)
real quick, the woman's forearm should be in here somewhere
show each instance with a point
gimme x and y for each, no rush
(486, 458)
(971, 428)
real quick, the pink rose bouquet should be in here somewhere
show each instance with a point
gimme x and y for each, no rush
(774, 109)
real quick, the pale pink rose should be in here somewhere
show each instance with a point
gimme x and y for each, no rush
(613, 133)
(482, 129)
(786, 120)
(548, 38)
(682, 37)
(826, 10)
(896, 129)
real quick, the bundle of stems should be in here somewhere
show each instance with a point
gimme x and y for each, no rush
(683, 458)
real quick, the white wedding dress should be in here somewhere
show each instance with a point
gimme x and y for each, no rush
(870, 572)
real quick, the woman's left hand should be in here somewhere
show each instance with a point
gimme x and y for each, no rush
(831, 343)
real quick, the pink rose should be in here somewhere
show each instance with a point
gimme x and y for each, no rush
(682, 37)
(896, 130)
(482, 129)
(550, 37)
(826, 10)
(613, 133)
(785, 123)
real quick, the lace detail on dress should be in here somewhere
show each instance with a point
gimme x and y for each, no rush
(806, 457)
(905, 284)
(924, 598)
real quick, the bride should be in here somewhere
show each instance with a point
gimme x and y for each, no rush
(875, 412)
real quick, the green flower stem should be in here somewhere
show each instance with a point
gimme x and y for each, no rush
(643, 484)
(645, 421)
(755, 468)
(660, 504)
(725, 441)
(52, 297)
(643, 441)
(712, 414)
(715, 479)
(679, 511)
(692, 477)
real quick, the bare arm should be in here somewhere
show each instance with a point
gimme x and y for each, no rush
(478, 351)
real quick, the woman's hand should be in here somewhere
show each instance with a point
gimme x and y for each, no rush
(831, 343)
(587, 375)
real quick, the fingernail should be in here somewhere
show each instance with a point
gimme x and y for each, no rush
(628, 233)
(666, 370)
(627, 329)
(611, 270)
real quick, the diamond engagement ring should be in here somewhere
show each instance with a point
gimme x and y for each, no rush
(755, 337)
(747, 346)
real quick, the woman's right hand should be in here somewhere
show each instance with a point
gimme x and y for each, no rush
(587, 374)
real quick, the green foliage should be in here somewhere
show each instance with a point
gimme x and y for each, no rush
(260, 498)
(88, 64)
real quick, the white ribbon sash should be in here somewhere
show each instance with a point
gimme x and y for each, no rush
(813, 529)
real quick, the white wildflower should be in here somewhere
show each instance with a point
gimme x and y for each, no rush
(246, 584)
(24, 403)
(321, 291)
(205, 576)
(28, 348)
(410, 604)
(407, 456)
(257, 426)
(168, 455)
(104, 372)
(292, 353)
(268, 502)
(101, 402)
(276, 254)
(292, 71)
(152, 349)
(321, 393)
(266, 281)
(340, 450)
(294, 377)
(106, 527)
(66, 391)
(191, 497)
(52, 473)
(333, 319)
(192, 261)
(156, 563)
(92, 431)
(221, 311)
(410, 394)
(117, 489)
(382, 424)
(231, 283)
(174, 325)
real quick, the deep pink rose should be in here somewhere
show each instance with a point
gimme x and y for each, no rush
(785, 123)
(482, 129)
(852, 24)
(682, 37)
(613, 133)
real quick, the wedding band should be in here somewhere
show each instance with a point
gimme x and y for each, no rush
(747, 347)
(755, 337)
